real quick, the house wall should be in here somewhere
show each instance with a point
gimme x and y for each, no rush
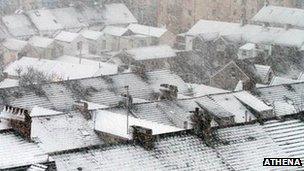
(168, 38)
(72, 47)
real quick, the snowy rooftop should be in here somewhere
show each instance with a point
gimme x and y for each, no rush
(41, 42)
(287, 99)
(116, 124)
(14, 44)
(283, 80)
(6, 83)
(63, 132)
(231, 104)
(69, 18)
(252, 101)
(104, 68)
(248, 46)
(202, 90)
(249, 33)
(16, 152)
(40, 111)
(118, 13)
(288, 135)
(280, 15)
(245, 149)
(44, 20)
(65, 36)
(91, 34)
(152, 52)
(18, 25)
(60, 70)
(147, 30)
(114, 31)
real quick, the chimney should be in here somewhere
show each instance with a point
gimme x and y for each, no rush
(168, 92)
(20, 120)
(143, 137)
(202, 124)
(128, 100)
(83, 108)
(122, 68)
(266, 3)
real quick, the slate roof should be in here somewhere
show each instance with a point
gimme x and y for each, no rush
(236, 148)
(287, 99)
(288, 135)
(63, 132)
(16, 152)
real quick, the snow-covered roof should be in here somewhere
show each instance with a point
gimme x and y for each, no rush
(69, 18)
(280, 15)
(239, 86)
(14, 44)
(248, 33)
(288, 135)
(248, 46)
(118, 13)
(63, 132)
(158, 77)
(16, 152)
(114, 31)
(116, 124)
(18, 25)
(6, 83)
(62, 70)
(147, 30)
(202, 90)
(262, 70)
(91, 34)
(237, 148)
(40, 111)
(152, 52)
(44, 20)
(287, 99)
(104, 67)
(252, 101)
(276, 80)
(42, 42)
(231, 104)
(65, 36)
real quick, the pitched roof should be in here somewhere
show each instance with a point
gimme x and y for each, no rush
(262, 70)
(276, 80)
(16, 152)
(63, 132)
(65, 36)
(152, 52)
(91, 34)
(41, 42)
(287, 99)
(236, 148)
(118, 13)
(280, 15)
(57, 69)
(114, 31)
(252, 101)
(14, 44)
(147, 30)
(69, 18)
(248, 33)
(44, 20)
(18, 25)
(116, 124)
